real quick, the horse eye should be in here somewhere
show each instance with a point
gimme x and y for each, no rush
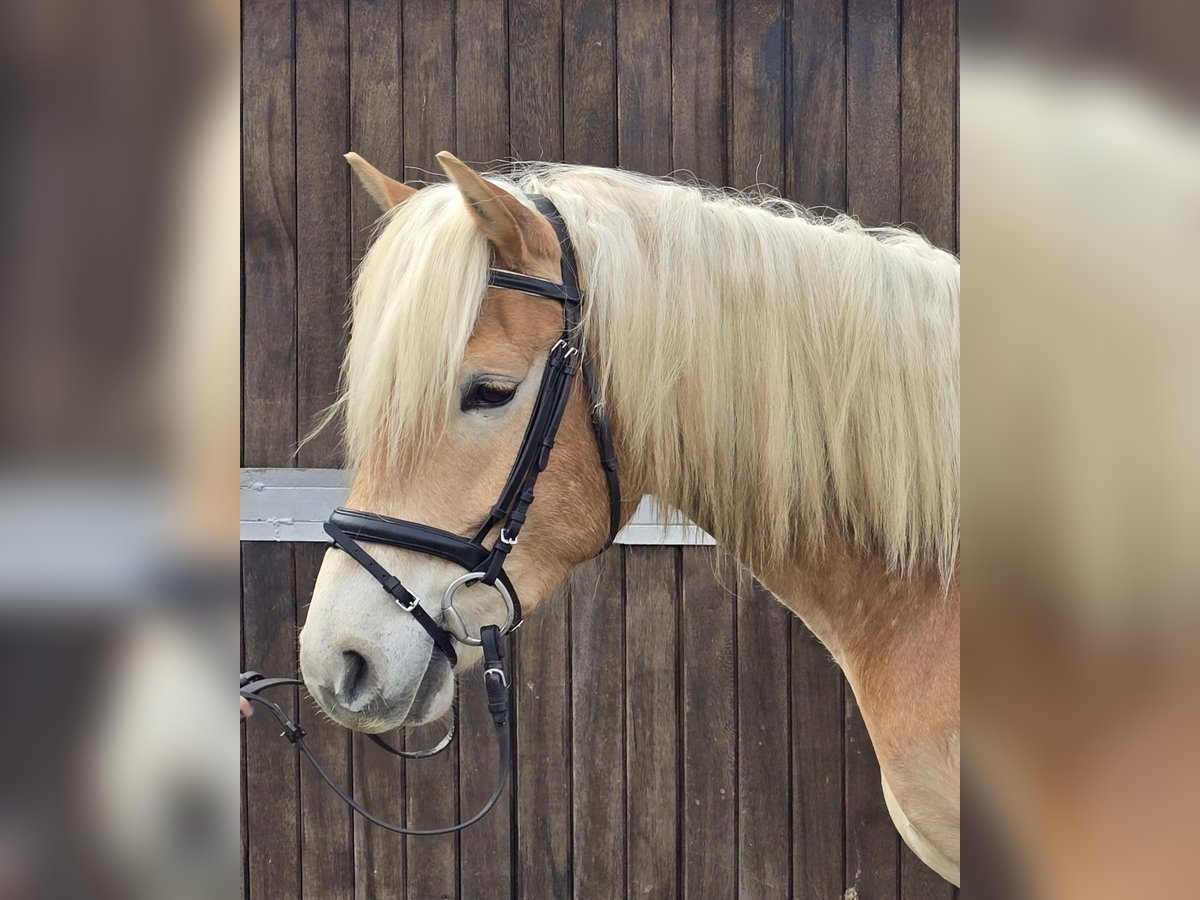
(487, 395)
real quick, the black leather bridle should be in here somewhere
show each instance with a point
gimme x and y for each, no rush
(482, 564)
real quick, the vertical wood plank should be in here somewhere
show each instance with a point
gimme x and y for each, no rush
(376, 87)
(872, 843)
(481, 81)
(327, 827)
(322, 222)
(764, 743)
(379, 856)
(652, 720)
(429, 101)
(818, 816)
(928, 72)
(272, 766)
(481, 131)
(598, 727)
(763, 624)
(756, 101)
(268, 235)
(815, 154)
(535, 79)
(428, 86)
(873, 111)
(375, 105)
(644, 85)
(873, 194)
(543, 752)
(698, 89)
(709, 725)
(919, 882)
(589, 82)
(815, 144)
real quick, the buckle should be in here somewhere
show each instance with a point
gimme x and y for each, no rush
(410, 607)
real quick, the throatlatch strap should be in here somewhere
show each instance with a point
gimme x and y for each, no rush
(404, 598)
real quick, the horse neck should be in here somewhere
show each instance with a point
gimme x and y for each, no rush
(857, 605)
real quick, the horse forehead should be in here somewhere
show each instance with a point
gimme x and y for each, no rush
(513, 328)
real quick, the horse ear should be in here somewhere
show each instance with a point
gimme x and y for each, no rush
(386, 192)
(502, 218)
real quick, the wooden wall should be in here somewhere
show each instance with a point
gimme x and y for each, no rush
(678, 734)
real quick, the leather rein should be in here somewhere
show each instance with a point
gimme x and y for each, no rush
(482, 564)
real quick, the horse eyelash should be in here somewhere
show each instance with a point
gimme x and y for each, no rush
(471, 401)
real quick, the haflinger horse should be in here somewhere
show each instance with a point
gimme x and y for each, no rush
(789, 382)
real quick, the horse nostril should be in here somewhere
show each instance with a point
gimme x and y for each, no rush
(354, 687)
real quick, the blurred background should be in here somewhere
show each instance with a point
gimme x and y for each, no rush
(1081, 448)
(119, 293)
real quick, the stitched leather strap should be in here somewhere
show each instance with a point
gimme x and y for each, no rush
(391, 584)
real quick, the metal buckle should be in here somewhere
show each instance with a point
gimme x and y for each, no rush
(416, 601)
(512, 542)
(495, 671)
(453, 619)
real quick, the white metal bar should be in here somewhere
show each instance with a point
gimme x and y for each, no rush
(291, 504)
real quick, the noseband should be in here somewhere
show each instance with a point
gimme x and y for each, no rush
(482, 564)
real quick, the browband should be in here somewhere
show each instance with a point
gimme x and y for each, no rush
(515, 281)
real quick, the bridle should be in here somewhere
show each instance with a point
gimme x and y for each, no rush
(482, 564)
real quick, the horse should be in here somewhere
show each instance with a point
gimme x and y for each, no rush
(788, 381)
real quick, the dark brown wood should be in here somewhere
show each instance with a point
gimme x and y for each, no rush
(652, 746)
(272, 765)
(380, 857)
(543, 819)
(928, 147)
(644, 86)
(764, 743)
(818, 818)
(598, 727)
(707, 633)
(481, 81)
(919, 882)
(376, 123)
(698, 89)
(872, 844)
(589, 82)
(322, 219)
(326, 822)
(268, 236)
(815, 139)
(873, 111)
(535, 79)
(429, 95)
(756, 97)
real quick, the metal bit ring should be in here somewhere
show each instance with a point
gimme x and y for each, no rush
(453, 621)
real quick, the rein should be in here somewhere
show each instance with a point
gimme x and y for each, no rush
(482, 564)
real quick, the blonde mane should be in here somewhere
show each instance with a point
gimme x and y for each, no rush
(772, 373)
